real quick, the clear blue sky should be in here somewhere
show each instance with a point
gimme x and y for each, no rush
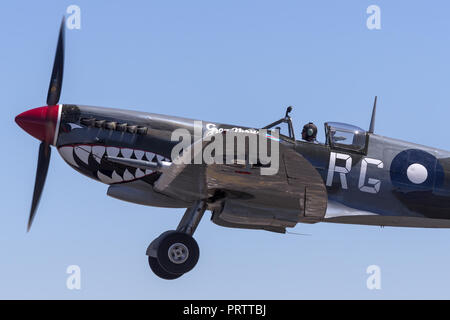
(239, 62)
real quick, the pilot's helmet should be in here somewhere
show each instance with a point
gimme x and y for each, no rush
(309, 132)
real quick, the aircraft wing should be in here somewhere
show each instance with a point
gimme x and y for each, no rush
(245, 198)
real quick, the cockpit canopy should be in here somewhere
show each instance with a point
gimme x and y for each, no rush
(345, 136)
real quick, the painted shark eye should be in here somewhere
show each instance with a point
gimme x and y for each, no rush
(142, 130)
(121, 127)
(89, 122)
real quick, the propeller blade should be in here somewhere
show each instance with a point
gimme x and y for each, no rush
(41, 175)
(54, 90)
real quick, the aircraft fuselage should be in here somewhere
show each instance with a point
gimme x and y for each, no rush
(392, 183)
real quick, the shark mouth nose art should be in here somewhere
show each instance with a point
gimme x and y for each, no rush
(90, 158)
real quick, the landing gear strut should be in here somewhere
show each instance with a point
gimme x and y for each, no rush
(176, 252)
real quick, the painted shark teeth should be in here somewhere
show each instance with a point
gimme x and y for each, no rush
(112, 151)
(139, 173)
(127, 175)
(104, 178)
(67, 154)
(149, 156)
(126, 153)
(98, 152)
(139, 154)
(115, 178)
(83, 152)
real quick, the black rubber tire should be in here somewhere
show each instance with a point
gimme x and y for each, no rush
(159, 271)
(171, 238)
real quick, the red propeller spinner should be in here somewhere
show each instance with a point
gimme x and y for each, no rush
(40, 122)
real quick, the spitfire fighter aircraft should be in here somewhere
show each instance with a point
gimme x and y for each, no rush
(355, 177)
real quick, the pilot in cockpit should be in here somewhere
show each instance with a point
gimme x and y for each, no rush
(309, 132)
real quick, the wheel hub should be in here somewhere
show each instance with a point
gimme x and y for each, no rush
(178, 253)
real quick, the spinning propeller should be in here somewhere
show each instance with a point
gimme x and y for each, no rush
(42, 123)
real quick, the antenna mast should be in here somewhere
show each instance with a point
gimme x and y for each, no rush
(372, 120)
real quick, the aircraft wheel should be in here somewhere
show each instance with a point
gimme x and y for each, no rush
(177, 252)
(159, 271)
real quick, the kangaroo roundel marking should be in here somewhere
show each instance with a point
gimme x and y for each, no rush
(415, 169)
